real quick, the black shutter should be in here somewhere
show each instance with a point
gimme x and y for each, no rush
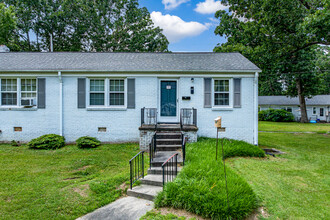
(81, 93)
(130, 93)
(237, 93)
(41, 93)
(207, 93)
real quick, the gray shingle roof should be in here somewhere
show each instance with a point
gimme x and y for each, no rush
(283, 100)
(126, 62)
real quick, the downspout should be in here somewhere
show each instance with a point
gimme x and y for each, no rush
(61, 102)
(256, 109)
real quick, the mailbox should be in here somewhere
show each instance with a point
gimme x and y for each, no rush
(217, 122)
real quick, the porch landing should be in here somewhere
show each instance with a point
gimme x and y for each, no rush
(168, 127)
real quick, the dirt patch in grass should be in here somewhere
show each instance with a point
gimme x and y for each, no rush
(81, 168)
(260, 212)
(71, 178)
(123, 187)
(82, 190)
(179, 213)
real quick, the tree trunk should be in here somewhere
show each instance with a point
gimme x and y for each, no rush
(302, 102)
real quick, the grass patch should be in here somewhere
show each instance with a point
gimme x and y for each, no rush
(61, 184)
(294, 185)
(293, 127)
(200, 186)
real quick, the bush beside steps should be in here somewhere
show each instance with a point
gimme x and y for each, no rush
(48, 141)
(87, 142)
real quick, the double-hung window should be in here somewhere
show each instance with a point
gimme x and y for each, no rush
(9, 91)
(97, 90)
(107, 92)
(28, 91)
(117, 92)
(18, 92)
(221, 92)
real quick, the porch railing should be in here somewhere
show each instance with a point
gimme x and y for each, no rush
(170, 168)
(136, 168)
(152, 149)
(188, 116)
(148, 116)
(184, 140)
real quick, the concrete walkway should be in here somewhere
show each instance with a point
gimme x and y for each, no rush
(127, 208)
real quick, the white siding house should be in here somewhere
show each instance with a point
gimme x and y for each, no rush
(318, 107)
(102, 94)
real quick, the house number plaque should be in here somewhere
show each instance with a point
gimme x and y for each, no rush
(168, 87)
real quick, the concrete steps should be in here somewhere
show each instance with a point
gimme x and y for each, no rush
(168, 142)
(145, 191)
(159, 171)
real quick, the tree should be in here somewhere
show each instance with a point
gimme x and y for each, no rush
(281, 37)
(8, 26)
(84, 25)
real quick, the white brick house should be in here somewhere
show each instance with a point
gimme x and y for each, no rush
(102, 94)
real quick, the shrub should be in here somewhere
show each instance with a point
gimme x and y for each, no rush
(87, 142)
(276, 115)
(14, 143)
(201, 188)
(48, 141)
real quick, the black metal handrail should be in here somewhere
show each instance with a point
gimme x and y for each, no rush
(184, 140)
(170, 168)
(148, 116)
(188, 116)
(152, 148)
(136, 168)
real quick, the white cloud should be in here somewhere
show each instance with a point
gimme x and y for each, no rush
(210, 7)
(171, 4)
(174, 28)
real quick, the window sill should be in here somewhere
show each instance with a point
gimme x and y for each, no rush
(106, 108)
(222, 108)
(18, 109)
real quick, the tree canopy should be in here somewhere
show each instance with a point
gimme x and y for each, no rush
(8, 25)
(83, 25)
(281, 37)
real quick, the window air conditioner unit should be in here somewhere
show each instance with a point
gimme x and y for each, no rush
(28, 102)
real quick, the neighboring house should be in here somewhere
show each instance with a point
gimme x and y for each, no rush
(318, 107)
(116, 96)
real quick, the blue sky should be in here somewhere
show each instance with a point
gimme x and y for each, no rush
(188, 24)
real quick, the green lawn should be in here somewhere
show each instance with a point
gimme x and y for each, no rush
(294, 185)
(61, 184)
(293, 127)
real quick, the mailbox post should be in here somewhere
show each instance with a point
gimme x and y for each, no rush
(217, 124)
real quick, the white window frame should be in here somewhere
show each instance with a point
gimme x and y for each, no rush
(19, 92)
(89, 92)
(231, 95)
(106, 94)
(124, 92)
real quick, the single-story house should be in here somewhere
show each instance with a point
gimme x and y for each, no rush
(115, 96)
(317, 107)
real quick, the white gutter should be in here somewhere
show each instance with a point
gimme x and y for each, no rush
(255, 138)
(61, 102)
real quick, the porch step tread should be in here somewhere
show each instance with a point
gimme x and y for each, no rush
(159, 170)
(164, 155)
(145, 191)
(153, 180)
(168, 133)
(169, 139)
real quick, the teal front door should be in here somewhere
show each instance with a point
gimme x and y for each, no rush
(168, 99)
